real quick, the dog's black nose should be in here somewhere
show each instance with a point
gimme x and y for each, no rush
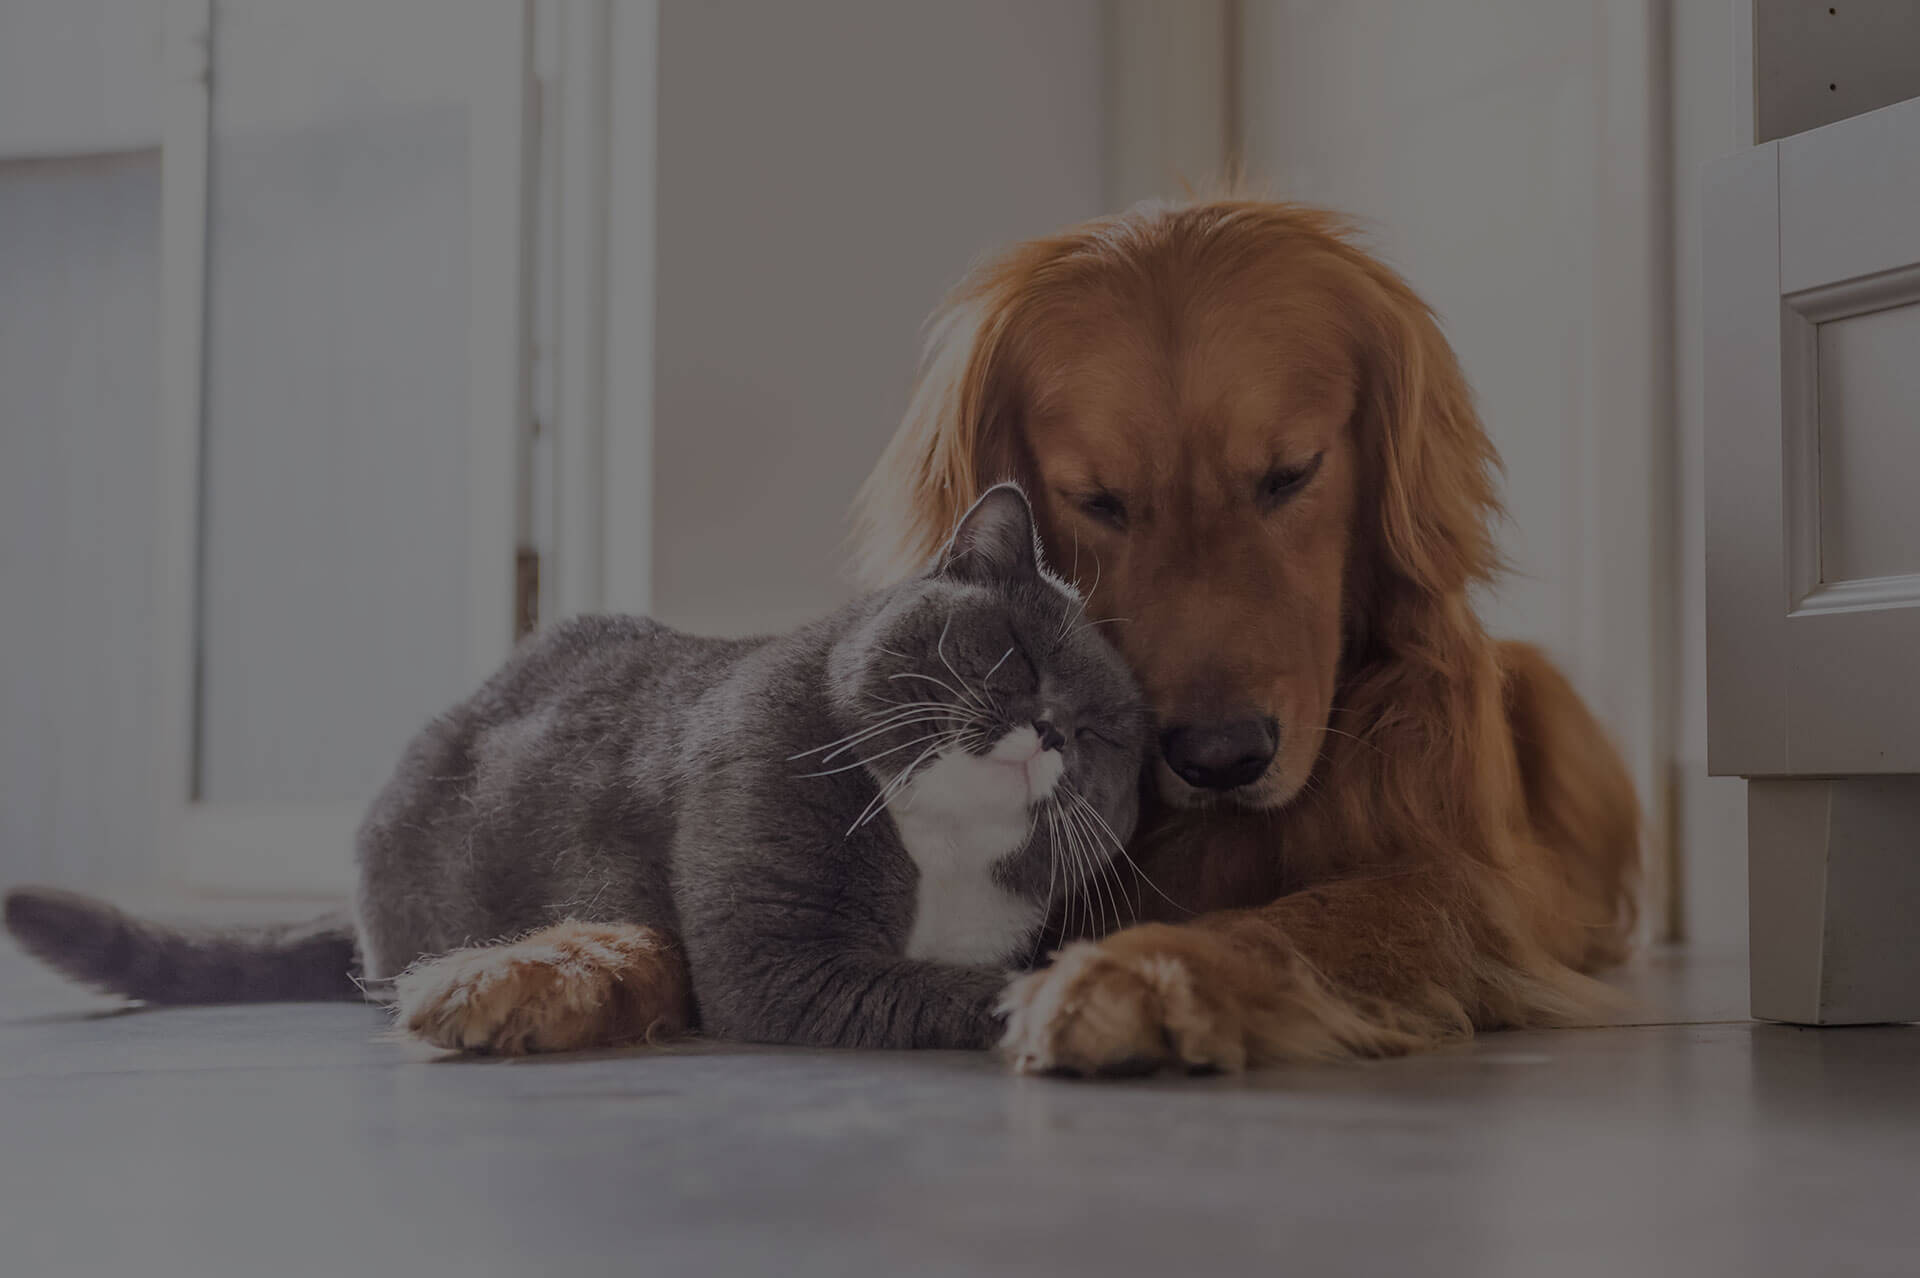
(1050, 736)
(1220, 755)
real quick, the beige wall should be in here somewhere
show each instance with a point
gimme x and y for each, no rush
(826, 170)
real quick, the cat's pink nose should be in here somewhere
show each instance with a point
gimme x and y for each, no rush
(1043, 768)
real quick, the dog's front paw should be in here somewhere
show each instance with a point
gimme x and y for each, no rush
(1104, 1009)
(565, 988)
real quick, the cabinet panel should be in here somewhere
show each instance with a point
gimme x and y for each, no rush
(1868, 396)
(1848, 195)
(1812, 324)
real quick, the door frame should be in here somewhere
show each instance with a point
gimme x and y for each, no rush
(590, 474)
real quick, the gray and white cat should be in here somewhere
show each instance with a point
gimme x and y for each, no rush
(850, 832)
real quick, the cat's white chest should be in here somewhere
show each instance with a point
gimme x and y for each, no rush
(956, 820)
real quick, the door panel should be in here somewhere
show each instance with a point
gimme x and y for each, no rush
(343, 381)
(79, 358)
(333, 611)
(1812, 319)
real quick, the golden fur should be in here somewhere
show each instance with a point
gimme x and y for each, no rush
(562, 988)
(1444, 838)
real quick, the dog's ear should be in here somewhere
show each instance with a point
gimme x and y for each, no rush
(958, 433)
(995, 541)
(1434, 471)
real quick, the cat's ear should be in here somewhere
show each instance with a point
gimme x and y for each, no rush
(995, 540)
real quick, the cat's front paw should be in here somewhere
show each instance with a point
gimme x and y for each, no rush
(564, 988)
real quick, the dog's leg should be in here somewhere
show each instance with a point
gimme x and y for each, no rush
(1368, 968)
(563, 988)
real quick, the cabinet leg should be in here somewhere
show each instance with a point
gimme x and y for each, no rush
(1834, 899)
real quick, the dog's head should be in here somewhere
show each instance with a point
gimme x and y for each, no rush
(1245, 438)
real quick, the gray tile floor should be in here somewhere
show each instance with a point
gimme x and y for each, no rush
(295, 1140)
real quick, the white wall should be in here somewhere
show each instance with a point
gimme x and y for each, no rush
(1713, 814)
(826, 171)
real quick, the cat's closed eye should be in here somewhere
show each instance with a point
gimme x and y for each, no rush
(1093, 734)
(1012, 674)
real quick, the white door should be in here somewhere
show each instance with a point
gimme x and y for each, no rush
(343, 377)
(1812, 314)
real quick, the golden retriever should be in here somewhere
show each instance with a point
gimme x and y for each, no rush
(1374, 827)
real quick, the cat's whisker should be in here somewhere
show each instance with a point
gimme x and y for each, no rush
(1088, 927)
(880, 730)
(891, 790)
(883, 795)
(861, 763)
(1061, 849)
(1078, 608)
(934, 679)
(906, 716)
(987, 692)
(1053, 864)
(959, 713)
(1103, 866)
(1043, 811)
(1120, 848)
(882, 726)
(1089, 888)
(1120, 886)
(1119, 844)
(1053, 851)
(1090, 895)
(940, 649)
(924, 705)
(1104, 621)
(1094, 863)
(879, 801)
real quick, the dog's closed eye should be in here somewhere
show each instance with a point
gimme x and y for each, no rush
(1104, 506)
(1281, 482)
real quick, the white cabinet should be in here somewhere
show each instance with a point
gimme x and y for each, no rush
(1812, 316)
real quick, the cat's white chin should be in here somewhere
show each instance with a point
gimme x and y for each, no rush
(1032, 768)
(957, 819)
(1004, 784)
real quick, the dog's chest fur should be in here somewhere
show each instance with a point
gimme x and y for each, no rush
(957, 820)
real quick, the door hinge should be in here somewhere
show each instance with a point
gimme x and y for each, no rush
(526, 592)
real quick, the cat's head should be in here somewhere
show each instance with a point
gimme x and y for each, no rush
(980, 694)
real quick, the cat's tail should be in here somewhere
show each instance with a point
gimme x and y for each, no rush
(104, 947)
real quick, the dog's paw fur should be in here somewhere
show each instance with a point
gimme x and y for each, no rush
(1159, 996)
(1099, 1012)
(564, 988)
